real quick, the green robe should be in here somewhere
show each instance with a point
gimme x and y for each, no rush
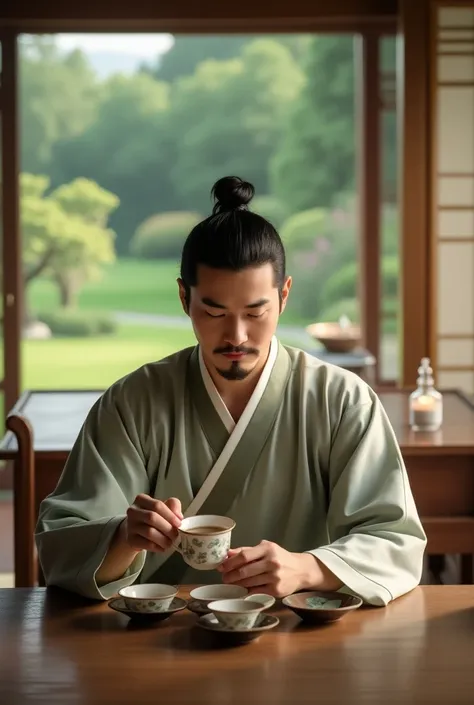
(318, 469)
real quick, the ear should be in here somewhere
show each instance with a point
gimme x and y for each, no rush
(182, 296)
(285, 292)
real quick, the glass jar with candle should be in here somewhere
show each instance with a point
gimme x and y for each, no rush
(426, 403)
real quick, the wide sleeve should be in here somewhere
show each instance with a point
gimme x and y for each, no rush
(104, 472)
(376, 540)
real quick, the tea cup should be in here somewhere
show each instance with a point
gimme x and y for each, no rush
(236, 614)
(148, 598)
(204, 541)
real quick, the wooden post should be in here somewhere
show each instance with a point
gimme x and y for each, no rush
(368, 169)
(12, 284)
(415, 178)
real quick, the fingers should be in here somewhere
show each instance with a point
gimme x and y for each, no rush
(175, 505)
(144, 517)
(152, 524)
(249, 575)
(156, 506)
(158, 539)
(139, 543)
(236, 558)
(259, 583)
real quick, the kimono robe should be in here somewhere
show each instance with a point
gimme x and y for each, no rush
(316, 468)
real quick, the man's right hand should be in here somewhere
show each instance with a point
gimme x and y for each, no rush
(151, 524)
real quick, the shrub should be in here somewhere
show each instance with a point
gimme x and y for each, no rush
(390, 275)
(270, 208)
(162, 236)
(391, 318)
(78, 324)
(319, 243)
(302, 230)
(343, 283)
(349, 307)
(322, 258)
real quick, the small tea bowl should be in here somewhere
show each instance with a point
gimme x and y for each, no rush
(202, 596)
(148, 598)
(236, 614)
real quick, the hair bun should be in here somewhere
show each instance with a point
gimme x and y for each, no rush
(232, 193)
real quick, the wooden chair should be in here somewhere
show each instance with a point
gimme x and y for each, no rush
(41, 430)
(27, 572)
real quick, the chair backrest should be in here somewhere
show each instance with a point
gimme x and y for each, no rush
(26, 563)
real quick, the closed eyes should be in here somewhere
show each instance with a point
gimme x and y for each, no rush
(249, 315)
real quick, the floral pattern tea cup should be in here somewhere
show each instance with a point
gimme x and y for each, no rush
(204, 541)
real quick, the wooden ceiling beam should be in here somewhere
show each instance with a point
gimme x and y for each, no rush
(190, 15)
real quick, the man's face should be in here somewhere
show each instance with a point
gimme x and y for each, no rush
(234, 316)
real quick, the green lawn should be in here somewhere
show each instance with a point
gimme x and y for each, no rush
(128, 285)
(97, 362)
(75, 363)
(131, 285)
(94, 363)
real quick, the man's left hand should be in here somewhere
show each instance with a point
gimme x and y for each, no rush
(271, 569)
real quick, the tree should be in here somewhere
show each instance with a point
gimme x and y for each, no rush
(65, 233)
(59, 96)
(126, 149)
(188, 52)
(163, 235)
(228, 116)
(316, 157)
(159, 147)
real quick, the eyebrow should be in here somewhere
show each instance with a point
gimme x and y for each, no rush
(214, 304)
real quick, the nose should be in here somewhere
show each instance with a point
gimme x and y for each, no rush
(235, 332)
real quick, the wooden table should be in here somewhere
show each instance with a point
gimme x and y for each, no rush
(440, 465)
(441, 470)
(359, 361)
(417, 651)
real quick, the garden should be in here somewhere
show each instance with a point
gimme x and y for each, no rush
(117, 170)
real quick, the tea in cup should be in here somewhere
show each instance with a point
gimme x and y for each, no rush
(236, 615)
(204, 541)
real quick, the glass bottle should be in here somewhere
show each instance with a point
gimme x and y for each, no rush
(426, 403)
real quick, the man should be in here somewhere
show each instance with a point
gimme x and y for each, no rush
(315, 481)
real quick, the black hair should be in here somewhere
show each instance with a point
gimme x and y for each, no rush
(233, 237)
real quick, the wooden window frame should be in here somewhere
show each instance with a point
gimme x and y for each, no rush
(370, 19)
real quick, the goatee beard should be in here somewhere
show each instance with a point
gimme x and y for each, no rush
(235, 373)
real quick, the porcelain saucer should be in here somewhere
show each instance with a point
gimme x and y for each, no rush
(198, 607)
(265, 623)
(118, 604)
(318, 607)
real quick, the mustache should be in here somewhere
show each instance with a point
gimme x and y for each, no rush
(238, 349)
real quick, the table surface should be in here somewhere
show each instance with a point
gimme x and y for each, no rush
(55, 648)
(358, 358)
(57, 417)
(455, 436)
